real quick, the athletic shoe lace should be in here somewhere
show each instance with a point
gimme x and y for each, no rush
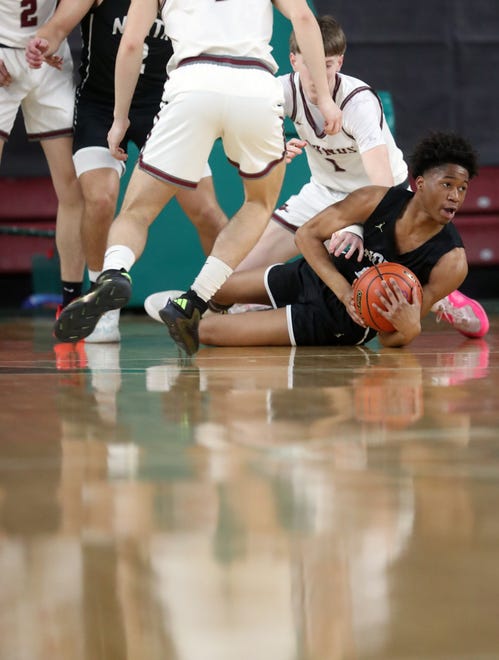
(462, 317)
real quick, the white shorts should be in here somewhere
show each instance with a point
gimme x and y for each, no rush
(45, 95)
(311, 200)
(96, 158)
(249, 120)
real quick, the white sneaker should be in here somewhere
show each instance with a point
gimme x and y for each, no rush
(107, 329)
(240, 308)
(156, 301)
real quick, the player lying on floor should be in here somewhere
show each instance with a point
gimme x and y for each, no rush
(312, 296)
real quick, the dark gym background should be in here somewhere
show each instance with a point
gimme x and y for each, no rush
(438, 58)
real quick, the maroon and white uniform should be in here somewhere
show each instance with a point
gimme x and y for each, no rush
(221, 84)
(45, 95)
(335, 161)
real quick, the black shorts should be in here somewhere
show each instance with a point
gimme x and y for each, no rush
(318, 317)
(93, 119)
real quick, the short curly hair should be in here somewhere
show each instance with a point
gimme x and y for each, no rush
(440, 148)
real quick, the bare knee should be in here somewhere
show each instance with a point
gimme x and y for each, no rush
(69, 192)
(260, 208)
(208, 218)
(201, 207)
(100, 207)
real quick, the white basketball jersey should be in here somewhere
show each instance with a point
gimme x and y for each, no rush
(335, 160)
(19, 21)
(241, 29)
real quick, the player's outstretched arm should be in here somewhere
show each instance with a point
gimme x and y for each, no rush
(48, 38)
(309, 38)
(141, 15)
(310, 237)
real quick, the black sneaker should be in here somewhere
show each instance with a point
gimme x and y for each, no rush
(181, 318)
(77, 320)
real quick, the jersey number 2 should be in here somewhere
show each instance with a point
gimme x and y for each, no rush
(28, 13)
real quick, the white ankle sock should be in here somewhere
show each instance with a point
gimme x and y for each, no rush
(117, 257)
(93, 275)
(211, 277)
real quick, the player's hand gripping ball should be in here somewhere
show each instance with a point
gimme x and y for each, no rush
(369, 283)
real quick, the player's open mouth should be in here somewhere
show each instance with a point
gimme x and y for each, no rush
(449, 212)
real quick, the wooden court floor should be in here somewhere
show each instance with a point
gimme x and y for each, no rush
(248, 504)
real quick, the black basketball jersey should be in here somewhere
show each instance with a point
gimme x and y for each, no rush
(101, 31)
(380, 244)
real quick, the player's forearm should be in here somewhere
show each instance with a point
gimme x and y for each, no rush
(126, 75)
(140, 17)
(309, 38)
(54, 36)
(67, 16)
(313, 250)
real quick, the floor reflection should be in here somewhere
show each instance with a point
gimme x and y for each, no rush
(278, 503)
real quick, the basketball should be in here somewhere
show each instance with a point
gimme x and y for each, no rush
(369, 283)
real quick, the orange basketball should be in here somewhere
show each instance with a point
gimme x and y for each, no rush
(369, 283)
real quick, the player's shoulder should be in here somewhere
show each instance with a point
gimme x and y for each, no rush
(349, 83)
(353, 89)
(368, 198)
(372, 193)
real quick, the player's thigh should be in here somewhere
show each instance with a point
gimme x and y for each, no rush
(202, 199)
(276, 245)
(264, 190)
(60, 162)
(145, 197)
(263, 328)
(90, 159)
(93, 119)
(100, 187)
(285, 283)
(182, 138)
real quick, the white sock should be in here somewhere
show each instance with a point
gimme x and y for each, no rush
(93, 275)
(211, 277)
(117, 257)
